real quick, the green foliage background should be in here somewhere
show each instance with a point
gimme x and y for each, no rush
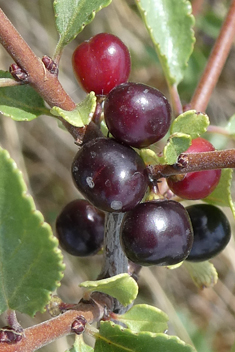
(44, 153)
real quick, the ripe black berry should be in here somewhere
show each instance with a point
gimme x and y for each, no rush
(136, 114)
(157, 233)
(211, 229)
(110, 175)
(80, 228)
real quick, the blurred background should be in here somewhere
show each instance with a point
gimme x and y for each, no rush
(44, 152)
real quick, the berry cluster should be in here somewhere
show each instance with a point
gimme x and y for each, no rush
(112, 176)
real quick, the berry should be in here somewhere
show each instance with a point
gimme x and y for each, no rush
(157, 233)
(80, 228)
(110, 175)
(211, 229)
(136, 114)
(101, 63)
(196, 185)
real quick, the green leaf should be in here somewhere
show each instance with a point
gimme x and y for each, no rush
(176, 144)
(73, 15)
(81, 115)
(221, 196)
(21, 103)
(143, 317)
(30, 262)
(80, 345)
(150, 157)
(113, 338)
(231, 126)
(191, 122)
(122, 287)
(203, 274)
(169, 23)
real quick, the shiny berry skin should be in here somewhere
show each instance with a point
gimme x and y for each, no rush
(80, 228)
(157, 233)
(211, 229)
(196, 185)
(136, 114)
(101, 63)
(110, 175)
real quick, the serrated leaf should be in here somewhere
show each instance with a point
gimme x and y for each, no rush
(73, 15)
(221, 196)
(113, 338)
(81, 115)
(169, 23)
(30, 262)
(203, 274)
(21, 103)
(176, 144)
(80, 346)
(122, 287)
(143, 317)
(191, 122)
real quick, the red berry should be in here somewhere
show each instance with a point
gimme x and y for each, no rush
(196, 185)
(101, 63)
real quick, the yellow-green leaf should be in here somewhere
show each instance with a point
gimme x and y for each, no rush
(203, 274)
(122, 287)
(169, 23)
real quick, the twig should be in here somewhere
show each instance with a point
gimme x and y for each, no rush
(219, 130)
(175, 100)
(219, 159)
(196, 7)
(44, 82)
(215, 63)
(42, 334)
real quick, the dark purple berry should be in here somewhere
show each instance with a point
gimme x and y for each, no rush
(80, 228)
(157, 233)
(211, 229)
(136, 114)
(110, 175)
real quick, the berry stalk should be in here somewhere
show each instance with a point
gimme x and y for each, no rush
(114, 261)
(215, 63)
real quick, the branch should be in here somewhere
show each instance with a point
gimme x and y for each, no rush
(219, 159)
(44, 82)
(197, 7)
(42, 334)
(215, 63)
